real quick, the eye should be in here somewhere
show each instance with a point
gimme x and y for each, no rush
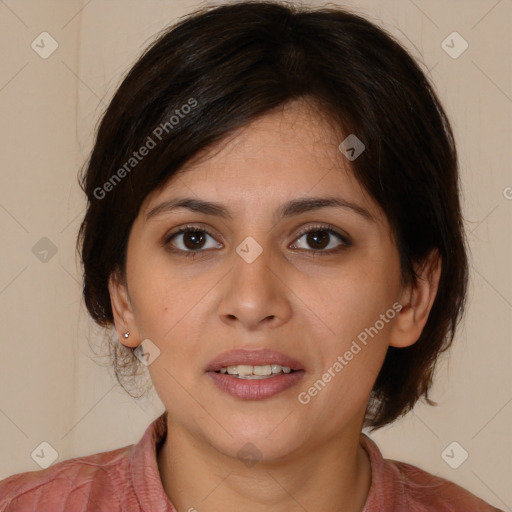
(190, 240)
(320, 238)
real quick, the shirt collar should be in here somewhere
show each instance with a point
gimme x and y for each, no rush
(387, 490)
(144, 468)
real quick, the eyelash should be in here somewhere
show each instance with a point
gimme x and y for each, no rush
(317, 228)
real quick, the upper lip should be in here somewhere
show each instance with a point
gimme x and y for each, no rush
(253, 357)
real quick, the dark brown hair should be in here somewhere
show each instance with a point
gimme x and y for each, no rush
(232, 63)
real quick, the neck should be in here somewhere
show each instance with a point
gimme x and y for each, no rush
(334, 476)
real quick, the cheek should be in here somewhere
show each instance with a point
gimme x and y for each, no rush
(357, 307)
(154, 282)
(350, 362)
(169, 308)
(158, 296)
(351, 302)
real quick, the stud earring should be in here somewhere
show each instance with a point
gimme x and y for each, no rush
(126, 334)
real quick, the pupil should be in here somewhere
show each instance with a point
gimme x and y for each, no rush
(195, 237)
(315, 236)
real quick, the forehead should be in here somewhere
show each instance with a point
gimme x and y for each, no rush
(289, 153)
(291, 133)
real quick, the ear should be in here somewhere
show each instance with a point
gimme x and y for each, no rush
(122, 310)
(416, 300)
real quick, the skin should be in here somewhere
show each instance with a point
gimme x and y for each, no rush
(310, 307)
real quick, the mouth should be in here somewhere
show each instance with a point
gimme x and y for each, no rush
(254, 374)
(255, 387)
(256, 362)
(249, 372)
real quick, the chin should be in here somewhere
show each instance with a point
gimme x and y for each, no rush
(264, 441)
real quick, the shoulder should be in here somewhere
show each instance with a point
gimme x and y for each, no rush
(67, 484)
(426, 492)
(400, 487)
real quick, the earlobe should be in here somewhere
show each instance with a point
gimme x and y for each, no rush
(417, 301)
(122, 310)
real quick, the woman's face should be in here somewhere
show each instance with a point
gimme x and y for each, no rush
(252, 280)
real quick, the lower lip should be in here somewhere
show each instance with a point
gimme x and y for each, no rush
(255, 389)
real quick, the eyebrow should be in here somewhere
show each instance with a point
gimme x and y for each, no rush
(289, 209)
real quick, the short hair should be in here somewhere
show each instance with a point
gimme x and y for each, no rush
(222, 67)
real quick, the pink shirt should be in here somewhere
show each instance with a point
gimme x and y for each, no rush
(127, 480)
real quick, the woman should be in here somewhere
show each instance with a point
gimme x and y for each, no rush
(274, 229)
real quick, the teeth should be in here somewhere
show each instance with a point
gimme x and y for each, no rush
(248, 371)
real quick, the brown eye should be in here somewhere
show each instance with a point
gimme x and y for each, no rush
(323, 239)
(190, 240)
(193, 239)
(318, 239)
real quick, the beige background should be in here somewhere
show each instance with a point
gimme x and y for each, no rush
(52, 391)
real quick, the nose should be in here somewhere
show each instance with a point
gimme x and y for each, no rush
(255, 293)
